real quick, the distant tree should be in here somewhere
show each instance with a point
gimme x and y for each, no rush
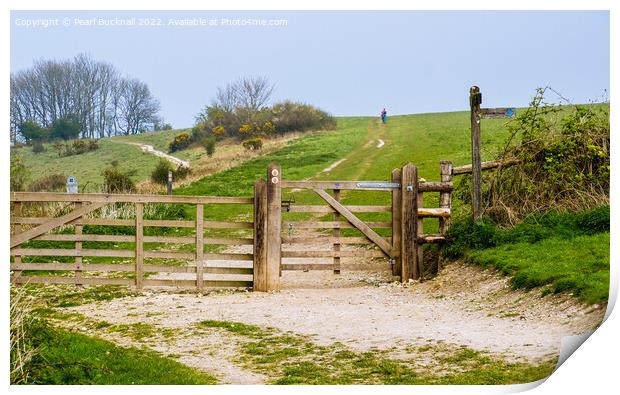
(137, 107)
(253, 93)
(66, 128)
(32, 131)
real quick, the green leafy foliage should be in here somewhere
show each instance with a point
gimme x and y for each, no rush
(180, 142)
(52, 183)
(160, 172)
(19, 174)
(116, 180)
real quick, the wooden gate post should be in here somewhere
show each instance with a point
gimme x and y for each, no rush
(139, 244)
(200, 247)
(274, 221)
(260, 236)
(475, 99)
(396, 226)
(409, 222)
(445, 198)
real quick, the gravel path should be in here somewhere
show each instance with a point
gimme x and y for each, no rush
(364, 310)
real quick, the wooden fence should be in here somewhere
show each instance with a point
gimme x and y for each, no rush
(247, 253)
(125, 238)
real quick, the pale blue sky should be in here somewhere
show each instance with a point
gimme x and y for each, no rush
(349, 62)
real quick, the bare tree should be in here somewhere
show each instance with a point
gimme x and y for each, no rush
(89, 90)
(253, 93)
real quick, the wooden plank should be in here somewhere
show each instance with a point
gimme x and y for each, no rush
(228, 225)
(434, 186)
(168, 254)
(229, 270)
(72, 252)
(139, 244)
(475, 99)
(359, 224)
(396, 225)
(329, 240)
(126, 198)
(492, 164)
(53, 223)
(71, 280)
(93, 267)
(79, 221)
(409, 209)
(274, 221)
(167, 223)
(334, 224)
(431, 239)
(445, 198)
(336, 235)
(333, 254)
(433, 212)
(310, 266)
(192, 283)
(343, 185)
(86, 237)
(229, 241)
(260, 236)
(200, 237)
(327, 209)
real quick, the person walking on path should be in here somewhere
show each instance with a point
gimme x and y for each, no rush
(383, 115)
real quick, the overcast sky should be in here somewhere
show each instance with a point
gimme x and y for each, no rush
(348, 63)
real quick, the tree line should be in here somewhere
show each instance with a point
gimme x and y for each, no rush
(80, 93)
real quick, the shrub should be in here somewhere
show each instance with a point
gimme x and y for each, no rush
(209, 144)
(51, 183)
(19, 174)
(37, 147)
(32, 131)
(564, 162)
(181, 141)
(290, 116)
(253, 144)
(66, 128)
(116, 180)
(159, 175)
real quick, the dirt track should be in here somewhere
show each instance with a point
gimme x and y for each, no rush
(365, 311)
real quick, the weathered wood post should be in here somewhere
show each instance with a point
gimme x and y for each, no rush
(396, 226)
(139, 244)
(445, 197)
(78, 257)
(419, 234)
(200, 234)
(475, 99)
(17, 259)
(336, 235)
(274, 221)
(260, 236)
(409, 222)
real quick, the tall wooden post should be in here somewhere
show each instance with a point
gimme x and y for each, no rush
(274, 221)
(139, 244)
(475, 99)
(336, 234)
(200, 247)
(78, 257)
(260, 236)
(445, 198)
(409, 222)
(419, 232)
(17, 212)
(396, 226)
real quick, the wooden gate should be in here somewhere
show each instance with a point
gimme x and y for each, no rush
(398, 236)
(120, 239)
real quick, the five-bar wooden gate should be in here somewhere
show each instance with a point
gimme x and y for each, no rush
(119, 238)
